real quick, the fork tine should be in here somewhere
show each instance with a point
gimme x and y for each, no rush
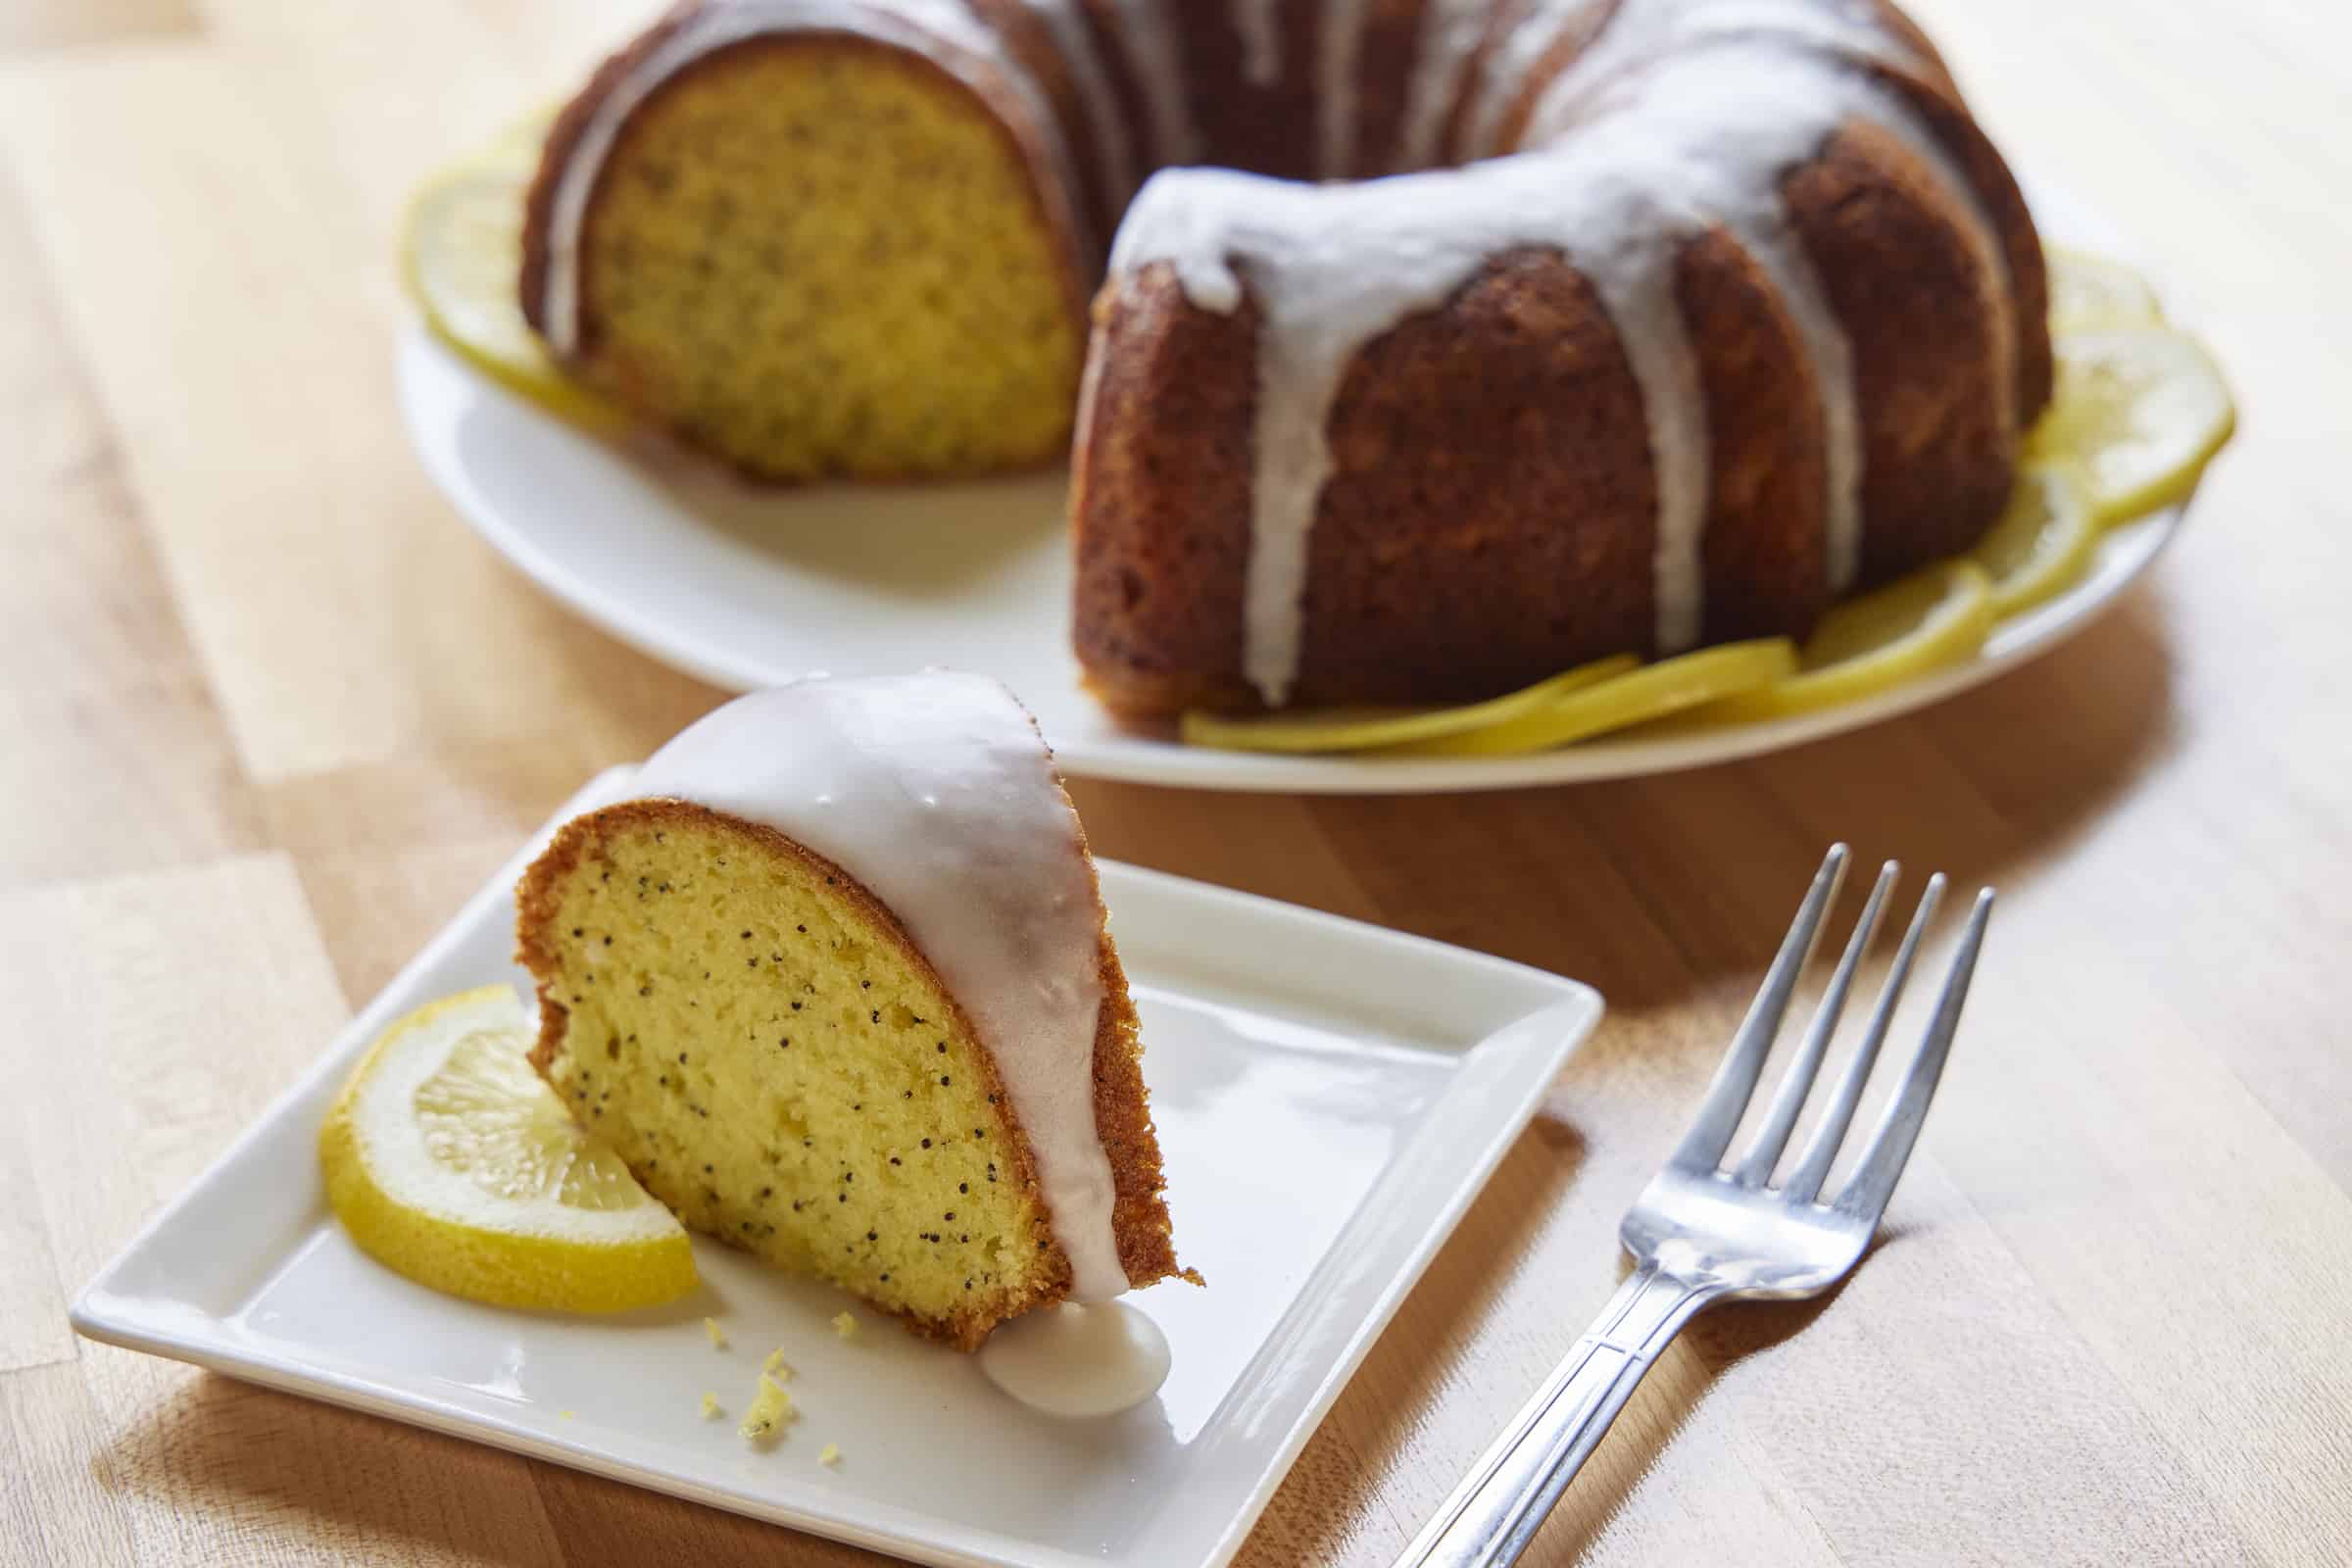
(1875, 1177)
(1821, 1150)
(1736, 1076)
(1755, 1167)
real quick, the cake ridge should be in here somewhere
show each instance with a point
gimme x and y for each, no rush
(1653, 170)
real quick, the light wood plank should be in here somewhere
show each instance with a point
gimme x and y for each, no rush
(118, 759)
(190, 997)
(32, 24)
(343, 620)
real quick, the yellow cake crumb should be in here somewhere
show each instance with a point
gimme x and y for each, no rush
(845, 1325)
(718, 1336)
(772, 1407)
(776, 1364)
(830, 1454)
(565, 1414)
(711, 1409)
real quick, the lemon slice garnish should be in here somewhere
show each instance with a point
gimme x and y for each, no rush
(1932, 618)
(447, 1159)
(2042, 542)
(2140, 408)
(2087, 292)
(1353, 729)
(461, 258)
(1651, 691)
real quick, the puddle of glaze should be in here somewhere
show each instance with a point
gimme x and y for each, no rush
(1078, 1361)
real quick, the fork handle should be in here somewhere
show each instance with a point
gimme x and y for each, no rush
(1495, 1511)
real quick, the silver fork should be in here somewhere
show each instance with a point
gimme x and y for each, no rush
(1701, 1233)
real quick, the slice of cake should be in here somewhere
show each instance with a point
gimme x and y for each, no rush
(839, 989)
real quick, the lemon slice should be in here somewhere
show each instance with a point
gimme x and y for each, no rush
(461, 260)
(2090, 291)
(1928, 620)
(1651, 691)
(448, 1161)
(2042, 542)
(1352, 729)
(2141, 409)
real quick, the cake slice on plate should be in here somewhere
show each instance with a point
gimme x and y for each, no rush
(839, 989)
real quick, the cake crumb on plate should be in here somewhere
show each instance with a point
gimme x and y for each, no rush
(829, 1454)
(718, 1336)
(770, 1408)
(845, 1325)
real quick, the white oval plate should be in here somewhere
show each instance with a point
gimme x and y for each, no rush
(747, 588)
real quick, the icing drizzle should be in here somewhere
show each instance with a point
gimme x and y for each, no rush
(1678, 116)
(935, 791)
(1660, 131)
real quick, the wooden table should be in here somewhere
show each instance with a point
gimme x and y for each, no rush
(269, 710)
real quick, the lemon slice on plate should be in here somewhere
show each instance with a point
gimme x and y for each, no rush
(461, 257)
(2043, 540)
(2091, 292)
(447, 1159)
(1651, 691)
(1353, 729)
(1900, 632)
(2141, 409)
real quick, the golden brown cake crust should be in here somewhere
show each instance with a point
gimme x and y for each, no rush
(1159, 491)
(1482, 526)
(1122, 1109)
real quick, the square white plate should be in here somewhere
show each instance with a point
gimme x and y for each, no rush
(1329, 1095)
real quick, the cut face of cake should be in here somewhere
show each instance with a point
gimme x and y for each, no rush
(839, 989)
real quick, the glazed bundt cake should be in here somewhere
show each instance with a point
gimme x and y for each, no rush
(1502, 335)
(838, 989)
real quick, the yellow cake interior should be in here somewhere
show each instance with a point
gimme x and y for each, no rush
(826, 258)
(783, 1073)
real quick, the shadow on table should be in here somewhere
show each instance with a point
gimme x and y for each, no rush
(1415, 1357)
(227, 1451)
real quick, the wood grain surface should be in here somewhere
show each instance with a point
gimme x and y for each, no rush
(270, 712)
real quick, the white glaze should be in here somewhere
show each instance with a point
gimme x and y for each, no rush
(935, 791)
(1449, 31)
(1261, 42)
(940, 30)
(1683, 114)
(1643, 32)
(1075, 42)
(1078, 1363)
(1504, 72)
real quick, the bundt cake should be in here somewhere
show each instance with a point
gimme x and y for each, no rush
(836, 987)
(1502, 335)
